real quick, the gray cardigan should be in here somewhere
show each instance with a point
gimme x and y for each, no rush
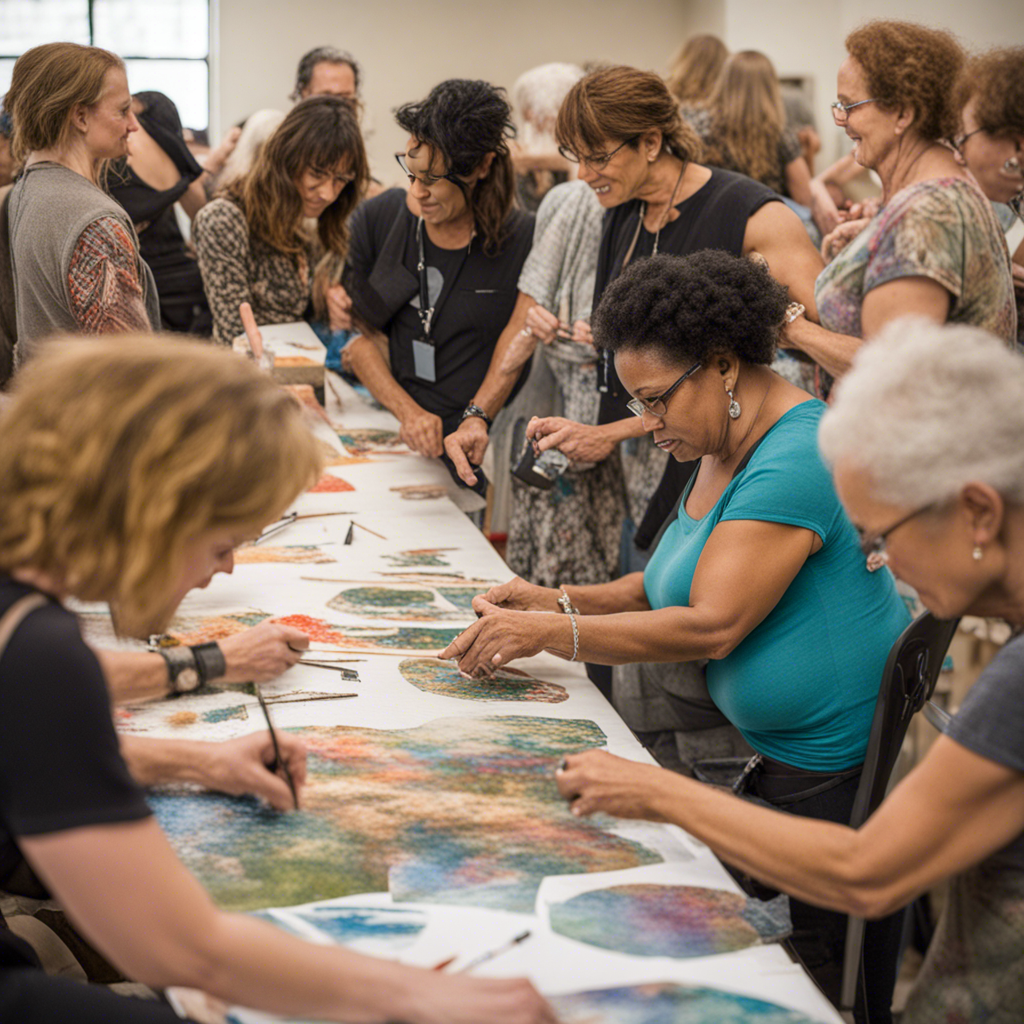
(50, 207)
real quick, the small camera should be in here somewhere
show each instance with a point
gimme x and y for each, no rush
(541, 470)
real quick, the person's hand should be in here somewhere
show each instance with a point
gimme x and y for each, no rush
(596, 781)
(497, 638)
(262, 653)
(581, 332)
(216, 158)
(339, 308)
(543, 324)
(836, 241)
(462, 999)
(578, 441)
(520, 596)
(422, 431)
(1018, 277)
(824, 211)
(466, 447)
(866, 209)
(240, 767)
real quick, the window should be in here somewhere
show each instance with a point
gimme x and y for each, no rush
(165, 43)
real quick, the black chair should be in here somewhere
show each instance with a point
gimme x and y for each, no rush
(908, 682)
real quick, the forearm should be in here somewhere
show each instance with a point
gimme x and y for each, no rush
(510, 356)
(367, 362)
(134, 675)
(154, 762)
(626, 594)
(834, 352)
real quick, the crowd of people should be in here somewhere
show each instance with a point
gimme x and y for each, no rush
(737, 396)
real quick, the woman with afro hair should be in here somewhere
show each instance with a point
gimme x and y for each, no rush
(759, 573)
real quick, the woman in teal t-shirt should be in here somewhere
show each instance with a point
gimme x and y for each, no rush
(761, 573)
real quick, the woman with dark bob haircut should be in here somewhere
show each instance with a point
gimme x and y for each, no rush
(759, 572)
(432, 272)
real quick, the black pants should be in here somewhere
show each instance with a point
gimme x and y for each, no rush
(819, 935)
(28, 995)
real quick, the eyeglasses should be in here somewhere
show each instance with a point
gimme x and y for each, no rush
(598, 161)
(874, 544)
(427, 180)
(658, 405)
(841, 111)
(959, 140)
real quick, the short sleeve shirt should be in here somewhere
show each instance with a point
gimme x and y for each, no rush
(943, 229)
(60, 763)
(802, 685)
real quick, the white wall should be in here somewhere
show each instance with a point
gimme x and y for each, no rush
(407, 46)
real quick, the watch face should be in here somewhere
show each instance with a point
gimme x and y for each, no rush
(186, 681)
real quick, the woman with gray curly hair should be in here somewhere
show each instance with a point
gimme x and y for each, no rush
(925, 442)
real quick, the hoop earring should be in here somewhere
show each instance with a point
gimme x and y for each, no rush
(734, 406)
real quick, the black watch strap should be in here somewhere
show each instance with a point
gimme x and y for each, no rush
(474, 410)
(182, 671)
(209, 661)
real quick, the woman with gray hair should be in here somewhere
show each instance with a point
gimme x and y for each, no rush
(925, 443)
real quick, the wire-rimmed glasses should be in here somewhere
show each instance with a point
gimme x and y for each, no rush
(658, 405)
(427, 180)
(596, 161)
(841, 110)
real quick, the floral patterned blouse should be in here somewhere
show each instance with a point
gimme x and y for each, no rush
(943, 229)
(237, 268)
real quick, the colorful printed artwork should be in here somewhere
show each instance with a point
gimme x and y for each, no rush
(445, 680)
(297, 553)
(667, 1003)
(330, 484)
(670, 920)
(454, 811)
(394, 927)
(407, 604)
(332, 457)
(419, 557)
(421, 492)
(372, 638)
(196, 629)
(373, 442)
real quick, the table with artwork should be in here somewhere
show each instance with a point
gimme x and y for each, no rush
(431, 829)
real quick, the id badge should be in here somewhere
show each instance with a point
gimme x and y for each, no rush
(423, 361)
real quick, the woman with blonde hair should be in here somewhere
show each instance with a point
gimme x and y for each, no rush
(253, 241)
(129, 474)
(695, 69)
(257, 129)
(74, 252)
(744, 128)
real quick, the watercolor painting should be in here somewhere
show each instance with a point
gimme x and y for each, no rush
(445, 680)
(299, 554)
(406, 604)
(332, 457)
(421, 492)
(417, 557)
(201, 629)
(373, 442)
(667, 1003)
(670, 920)
(430, 579)
(455, 811)
(381, 639)
(387, 929)
(330, 484)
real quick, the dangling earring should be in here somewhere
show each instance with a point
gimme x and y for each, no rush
(734, 406)
(977, 554)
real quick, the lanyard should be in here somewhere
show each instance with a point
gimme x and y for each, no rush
(426, 311)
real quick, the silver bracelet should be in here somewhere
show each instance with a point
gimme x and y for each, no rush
(575, 636)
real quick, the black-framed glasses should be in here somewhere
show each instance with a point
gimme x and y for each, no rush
(959, 140)
(596, 161)
(427, 180)
(658, 405)
(841, 110)
(874, 543)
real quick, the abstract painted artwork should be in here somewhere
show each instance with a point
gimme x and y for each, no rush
(330, 484)
(373, 442)
(667, 1003)
(383, 639)
(445, 680)
(393, 927)
(407, 604)
(415, 810)
(418, 557)
(332, 457)
(670, 920)
(421, 492)
(201, 629)
(297, 553)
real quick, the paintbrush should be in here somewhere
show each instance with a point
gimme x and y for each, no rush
(279, 765)
(281, 524)
(484, 957)
(303, 700)
(368, 530)
(351, 532)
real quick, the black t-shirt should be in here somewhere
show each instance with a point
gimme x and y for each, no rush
(60, 763)
(475, 298)
(714, 217)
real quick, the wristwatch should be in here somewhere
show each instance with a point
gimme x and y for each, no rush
(474, 410)
(189, 668)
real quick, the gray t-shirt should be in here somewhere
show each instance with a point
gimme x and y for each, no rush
(991, 723)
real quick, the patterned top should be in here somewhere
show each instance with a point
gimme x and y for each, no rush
(943, 229)
(789, 148)
(237, 268)
(103, 280)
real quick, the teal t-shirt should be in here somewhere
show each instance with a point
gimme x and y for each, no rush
(801, 687)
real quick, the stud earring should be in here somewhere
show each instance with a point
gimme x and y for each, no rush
(734, 406)
(1012, 166)
(977, 554)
